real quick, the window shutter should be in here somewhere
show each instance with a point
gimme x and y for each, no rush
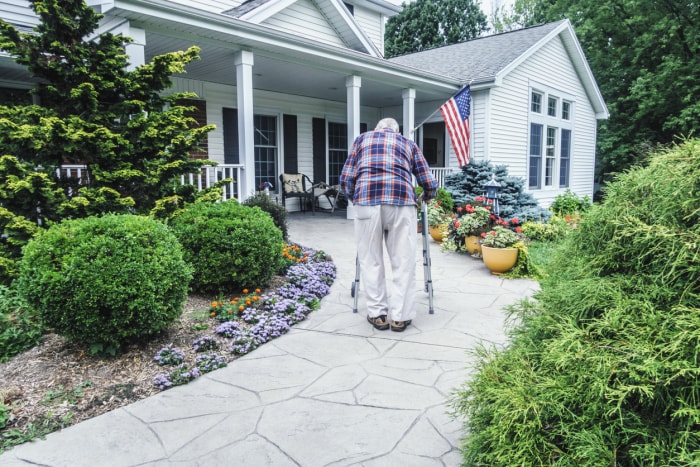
(319, 149)
(231, 155)
(291, 156)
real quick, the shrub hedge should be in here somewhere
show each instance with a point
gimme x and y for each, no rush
(603, 368)
(105, 281)
(229, 245)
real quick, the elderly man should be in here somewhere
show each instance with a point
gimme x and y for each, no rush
(378, 179)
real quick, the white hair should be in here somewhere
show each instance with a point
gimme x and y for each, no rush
(389, 123)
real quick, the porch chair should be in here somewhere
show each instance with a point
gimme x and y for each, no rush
(298, 185)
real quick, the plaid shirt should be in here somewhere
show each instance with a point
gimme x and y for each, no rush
(379, 170)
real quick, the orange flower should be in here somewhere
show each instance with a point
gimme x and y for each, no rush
(245, 290)
(257, 290)
(247, 301)
(213, 304)
(241, 308)
(212, 314)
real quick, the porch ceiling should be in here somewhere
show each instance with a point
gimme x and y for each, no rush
(287, 73)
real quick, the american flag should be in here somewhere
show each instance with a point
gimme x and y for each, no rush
(456, 112)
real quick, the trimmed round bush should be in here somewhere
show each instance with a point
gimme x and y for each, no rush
(105, 281)
(230, 246)
(275, 210)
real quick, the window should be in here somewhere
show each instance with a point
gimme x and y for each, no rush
(566, 110)
(550, 159)
(265, 147)
(536, 104)
(565, 158)
(551, 140)
(535, 168)
(337, 150)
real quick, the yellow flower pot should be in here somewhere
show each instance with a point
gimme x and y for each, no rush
(437, 231)
(499, 260)
(473, 244)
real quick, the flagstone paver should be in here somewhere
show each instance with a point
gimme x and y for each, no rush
(332, 392)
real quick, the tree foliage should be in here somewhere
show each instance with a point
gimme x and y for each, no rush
(93, 110)
(602, 367)
(645, 57)
(425, 24)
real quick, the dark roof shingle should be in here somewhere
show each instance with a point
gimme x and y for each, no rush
(479, 59)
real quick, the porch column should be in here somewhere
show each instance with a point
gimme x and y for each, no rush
(409, 112)
(244, 94)
(353, 84)
(137, 49)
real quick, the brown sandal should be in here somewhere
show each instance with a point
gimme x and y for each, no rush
(380, 322)
(400, 326)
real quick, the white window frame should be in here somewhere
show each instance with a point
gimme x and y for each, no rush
(334, 149)
(276, 147)
(549, 176)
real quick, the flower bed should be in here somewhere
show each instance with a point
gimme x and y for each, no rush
(252, 319)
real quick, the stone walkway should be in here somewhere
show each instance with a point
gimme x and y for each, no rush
(332, 392)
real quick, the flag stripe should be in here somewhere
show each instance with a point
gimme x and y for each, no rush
(456, 112)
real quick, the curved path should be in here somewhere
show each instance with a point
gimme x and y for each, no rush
(332, 392)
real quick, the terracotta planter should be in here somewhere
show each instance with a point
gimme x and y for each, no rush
(436, 232)
(473, 244)
(499, 260)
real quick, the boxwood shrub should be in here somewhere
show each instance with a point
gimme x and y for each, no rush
(105, 281)
(229, 245)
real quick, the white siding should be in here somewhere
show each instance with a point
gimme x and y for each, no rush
(303, 19)
(276, 104)
(509, 109)
(371, 23)
(213, 6)
(18, 13)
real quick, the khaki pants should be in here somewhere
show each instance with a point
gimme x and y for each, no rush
(395, 227)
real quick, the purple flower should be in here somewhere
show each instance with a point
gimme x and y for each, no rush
(169, 356)
(205, 343)
(229, 329)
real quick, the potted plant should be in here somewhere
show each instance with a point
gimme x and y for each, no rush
(438, 220)
(499, 249)
(471, 221)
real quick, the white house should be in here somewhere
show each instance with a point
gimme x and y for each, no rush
(290, 83)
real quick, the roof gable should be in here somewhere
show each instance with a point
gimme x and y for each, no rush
(486, 60)
(340, 26)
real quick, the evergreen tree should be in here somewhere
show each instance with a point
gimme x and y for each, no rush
(93, 111)
(425, 24)
(645, 57)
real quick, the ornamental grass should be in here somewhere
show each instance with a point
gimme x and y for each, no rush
(602, 368)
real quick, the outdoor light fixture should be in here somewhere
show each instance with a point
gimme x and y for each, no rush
(491, 194)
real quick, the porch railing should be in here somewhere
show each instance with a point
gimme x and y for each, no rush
(441, 172)
(210, 174)
(205, 178)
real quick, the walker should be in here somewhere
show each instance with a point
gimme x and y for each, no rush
(354, 289)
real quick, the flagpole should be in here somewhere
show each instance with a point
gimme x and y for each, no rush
(438, 109)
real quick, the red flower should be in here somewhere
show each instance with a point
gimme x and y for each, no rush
(459, 208)
(518, 229)
(514, 221)
(457, 224)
